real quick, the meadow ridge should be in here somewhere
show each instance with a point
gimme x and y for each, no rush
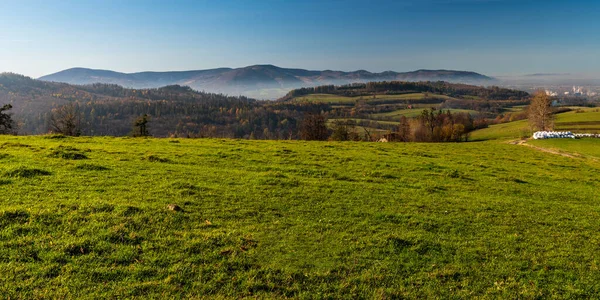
(87, 218)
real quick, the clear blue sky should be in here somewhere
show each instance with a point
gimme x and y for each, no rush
(494, 37)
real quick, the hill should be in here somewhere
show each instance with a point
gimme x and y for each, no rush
(260, 81)
(88, 218)
(380, 106)
(106, 109)
(109, 109)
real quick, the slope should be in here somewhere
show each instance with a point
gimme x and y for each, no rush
(264, 219)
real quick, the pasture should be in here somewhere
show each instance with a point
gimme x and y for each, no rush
(586, 147)
(415, 112)
(88, 218)
(582, 120)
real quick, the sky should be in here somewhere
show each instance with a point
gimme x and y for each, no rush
(493, 37)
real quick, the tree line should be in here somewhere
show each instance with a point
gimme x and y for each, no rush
(399, 87)
(178, 111)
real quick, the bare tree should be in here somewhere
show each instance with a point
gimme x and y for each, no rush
(540, 112)
(314, 128)
(6, 122)
(403, 130)
(66, 120)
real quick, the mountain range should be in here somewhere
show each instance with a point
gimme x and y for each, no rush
(258, 81)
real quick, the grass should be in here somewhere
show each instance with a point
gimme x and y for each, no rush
(276, 219)
(516, 108)
(587, 121)
(510, 130)
(332, 121)
(583, 120)
(586, 114)
(415, 112)
(586, 147)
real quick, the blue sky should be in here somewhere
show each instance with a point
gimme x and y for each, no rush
(494, 37)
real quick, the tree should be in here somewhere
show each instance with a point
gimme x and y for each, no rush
(6, 122)
(340, 131)
(540, 112)
(403, 130)
(141, 126)
(66, 120)
(314, 128)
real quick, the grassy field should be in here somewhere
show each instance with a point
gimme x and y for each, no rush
(332, 121)
(88, 218)
(586, 121)
(517, 108)
(415, 112)
(587, 147)
(329, 98)
(510, 130)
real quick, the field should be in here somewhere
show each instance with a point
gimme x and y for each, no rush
(587, 147)
(88, 218)
(415, 112)
(510, 130)
(330, 122)
(586, 120)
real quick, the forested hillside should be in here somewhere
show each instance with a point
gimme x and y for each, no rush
(109, 109)
(174, 110)
(402, 87)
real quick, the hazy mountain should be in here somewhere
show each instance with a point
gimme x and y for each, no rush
(259, 81)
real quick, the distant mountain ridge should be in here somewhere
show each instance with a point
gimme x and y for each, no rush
(259, 81)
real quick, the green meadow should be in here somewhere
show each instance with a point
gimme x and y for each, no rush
(581, 120)
(88, 218)
(586, 147)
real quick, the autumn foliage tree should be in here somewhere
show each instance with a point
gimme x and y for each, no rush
(540, 112)
(439, 126)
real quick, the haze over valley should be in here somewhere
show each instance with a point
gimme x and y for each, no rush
(257, 81)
